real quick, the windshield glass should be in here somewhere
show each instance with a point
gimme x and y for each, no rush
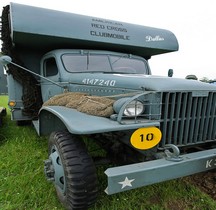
(104, 63)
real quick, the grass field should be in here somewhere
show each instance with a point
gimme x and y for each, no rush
(23, 184)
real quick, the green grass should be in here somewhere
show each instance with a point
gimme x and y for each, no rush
(23, 184)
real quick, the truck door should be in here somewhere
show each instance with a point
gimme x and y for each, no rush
(49, 69)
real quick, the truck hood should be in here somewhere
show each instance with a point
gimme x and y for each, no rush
(143, 82)
(159, 83)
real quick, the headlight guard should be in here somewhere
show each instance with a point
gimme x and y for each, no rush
(129, 107)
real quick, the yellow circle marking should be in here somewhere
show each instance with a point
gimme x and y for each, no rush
(146, 138)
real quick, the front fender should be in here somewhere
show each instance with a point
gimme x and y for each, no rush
(54, 118)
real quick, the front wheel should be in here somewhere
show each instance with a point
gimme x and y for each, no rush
(72, 170)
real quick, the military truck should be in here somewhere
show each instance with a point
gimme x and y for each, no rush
(213, 82)
(84, 79)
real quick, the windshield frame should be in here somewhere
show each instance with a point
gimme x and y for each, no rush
(112, 59)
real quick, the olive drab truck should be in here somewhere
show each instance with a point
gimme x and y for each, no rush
(79, 78)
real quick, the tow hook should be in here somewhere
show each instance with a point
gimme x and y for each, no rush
(174, 154)
(49, 170)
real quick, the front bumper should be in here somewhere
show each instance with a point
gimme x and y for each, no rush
(146, 173)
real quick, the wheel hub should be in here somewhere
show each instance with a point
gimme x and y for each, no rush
(54, 170)
(48, 170)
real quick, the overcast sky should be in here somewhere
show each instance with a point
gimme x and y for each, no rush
(192, 21)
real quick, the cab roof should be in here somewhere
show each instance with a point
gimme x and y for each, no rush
(50, 29)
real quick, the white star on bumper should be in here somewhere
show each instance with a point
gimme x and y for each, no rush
(126, 182)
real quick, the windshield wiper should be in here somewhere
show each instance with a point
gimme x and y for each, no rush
(123, 56)
(117, 72)
(87, 60)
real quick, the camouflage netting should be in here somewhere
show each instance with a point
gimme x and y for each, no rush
(93, 105)
(31, 95)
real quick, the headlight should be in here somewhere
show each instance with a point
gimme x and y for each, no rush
(132, 108)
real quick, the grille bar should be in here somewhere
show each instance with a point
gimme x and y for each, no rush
(212, 118)
(208, 115)
(188, 119)
(203, 119)
(178, 117)
(185, 115)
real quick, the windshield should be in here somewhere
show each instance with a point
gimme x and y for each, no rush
(104, 63)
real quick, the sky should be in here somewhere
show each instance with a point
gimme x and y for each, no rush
(192, 21)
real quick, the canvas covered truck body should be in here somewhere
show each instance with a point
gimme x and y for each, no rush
(81, 77)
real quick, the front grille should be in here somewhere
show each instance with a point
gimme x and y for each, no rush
(188, 118)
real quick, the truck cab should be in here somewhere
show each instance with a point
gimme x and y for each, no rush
(77, 70)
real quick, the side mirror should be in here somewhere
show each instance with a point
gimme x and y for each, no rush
(4, 60)
(170, 72)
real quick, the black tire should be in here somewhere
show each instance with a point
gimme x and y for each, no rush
(23, 122)
(76, 179)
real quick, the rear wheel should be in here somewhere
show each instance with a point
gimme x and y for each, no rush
(72, 170)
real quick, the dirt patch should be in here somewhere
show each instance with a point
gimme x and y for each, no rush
(176, 204)
(205, 181)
